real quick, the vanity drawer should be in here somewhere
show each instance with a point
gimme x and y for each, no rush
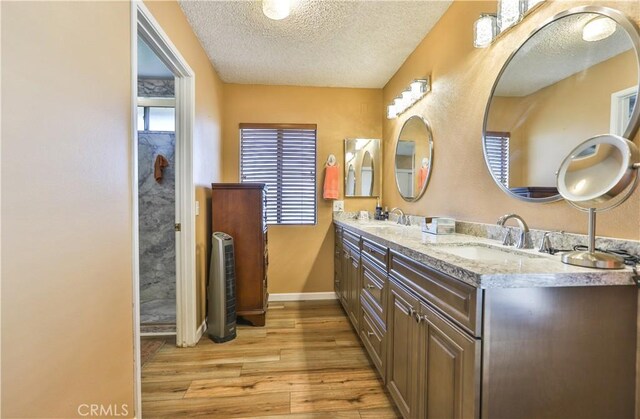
(460, 301)
(373, 339)
(351, 238)
(376, 252)
(373, 285)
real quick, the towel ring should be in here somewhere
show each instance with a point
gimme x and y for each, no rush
(331, 160)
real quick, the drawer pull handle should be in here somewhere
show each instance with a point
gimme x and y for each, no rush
(369, 334)
(369, 286)
(420, 318)
(412, 312)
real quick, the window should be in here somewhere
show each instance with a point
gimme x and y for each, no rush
(156, 114)
(283, 157)
(496, 146)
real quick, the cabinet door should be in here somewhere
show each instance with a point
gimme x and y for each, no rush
(337, 270)
(449, 369)
(344, 280)
(353, 297)
(402, 349)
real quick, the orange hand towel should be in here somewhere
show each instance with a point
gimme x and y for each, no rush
(331, 182)
(158, 167)
(422, 176)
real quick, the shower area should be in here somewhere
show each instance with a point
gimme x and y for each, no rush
(156, 194)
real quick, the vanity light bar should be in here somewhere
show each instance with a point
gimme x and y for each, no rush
(510, 12)
(416, 91)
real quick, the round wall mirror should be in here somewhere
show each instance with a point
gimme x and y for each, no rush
(414, 158)
(366, 174)
(598, 175)
(574, 78)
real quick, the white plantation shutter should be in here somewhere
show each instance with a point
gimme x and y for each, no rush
(283, 157)
(497, 148)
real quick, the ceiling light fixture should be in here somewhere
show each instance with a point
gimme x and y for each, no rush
(276, 9)
(598, 29)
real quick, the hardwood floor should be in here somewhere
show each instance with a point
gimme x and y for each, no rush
(306, 363)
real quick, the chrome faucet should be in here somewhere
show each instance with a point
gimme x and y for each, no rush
(402, 218)
(524, 241)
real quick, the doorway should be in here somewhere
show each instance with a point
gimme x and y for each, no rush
(156, 196)
(170, 119)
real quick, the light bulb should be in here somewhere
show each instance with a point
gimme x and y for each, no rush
(485, 30)
(276, 9)
(510, 12)
(391, 111)
(598, 29)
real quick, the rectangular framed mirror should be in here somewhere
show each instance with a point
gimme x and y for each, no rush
(362, 168)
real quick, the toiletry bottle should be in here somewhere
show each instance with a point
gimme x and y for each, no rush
(378, 215)
(386, 213)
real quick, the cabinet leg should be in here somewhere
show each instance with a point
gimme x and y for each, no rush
(255, 319)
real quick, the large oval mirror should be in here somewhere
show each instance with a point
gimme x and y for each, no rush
(414, 158)
(574, 78)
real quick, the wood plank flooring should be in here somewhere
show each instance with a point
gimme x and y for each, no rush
(306, 363)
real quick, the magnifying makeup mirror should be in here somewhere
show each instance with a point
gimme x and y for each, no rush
(598, 175)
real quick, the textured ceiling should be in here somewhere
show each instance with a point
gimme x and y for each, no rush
(557, 52)
(149, 65)
(322, 42)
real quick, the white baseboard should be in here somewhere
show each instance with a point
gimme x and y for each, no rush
(201, 330)
(303, 296)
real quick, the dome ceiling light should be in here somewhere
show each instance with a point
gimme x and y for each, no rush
(276, 9)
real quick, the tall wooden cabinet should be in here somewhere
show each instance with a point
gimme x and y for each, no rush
(239, 209)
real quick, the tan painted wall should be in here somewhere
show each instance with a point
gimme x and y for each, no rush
(67, 322)
(207, 147)
(559, 117)
(301, 257)
(66, 205)
(461, 186)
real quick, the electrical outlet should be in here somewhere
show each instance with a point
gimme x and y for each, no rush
(338, 205)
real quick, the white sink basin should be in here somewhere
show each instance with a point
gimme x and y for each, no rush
(486, 253)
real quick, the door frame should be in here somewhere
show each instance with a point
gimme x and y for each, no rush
(143, 24)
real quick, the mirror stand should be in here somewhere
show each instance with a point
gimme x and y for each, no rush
(592, 258)
(598, 175)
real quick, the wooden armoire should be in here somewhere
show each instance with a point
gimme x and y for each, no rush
(239, 209)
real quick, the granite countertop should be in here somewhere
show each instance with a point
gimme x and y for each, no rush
(533, 269)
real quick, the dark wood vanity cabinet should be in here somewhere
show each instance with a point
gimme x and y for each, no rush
(239, 209)
(543, 352)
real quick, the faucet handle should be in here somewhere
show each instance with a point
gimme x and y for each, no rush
(545, 243)
(508, 239)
